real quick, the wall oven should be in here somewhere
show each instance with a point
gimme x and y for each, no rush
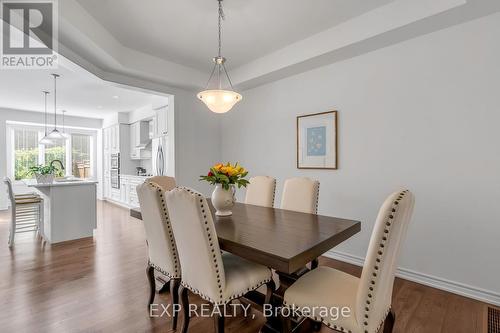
(115, 178)
(114, 173)
(115, 161)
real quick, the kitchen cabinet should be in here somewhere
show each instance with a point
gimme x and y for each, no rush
(160, 122)
(126, 195)
(115, 138)
(111, 138)
(106, 187)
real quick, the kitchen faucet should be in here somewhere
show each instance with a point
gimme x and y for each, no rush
(58, 161)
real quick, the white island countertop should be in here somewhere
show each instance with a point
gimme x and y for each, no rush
(64, 182)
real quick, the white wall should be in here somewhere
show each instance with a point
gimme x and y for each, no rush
(422, 114)
(197, 140)
(38, 118)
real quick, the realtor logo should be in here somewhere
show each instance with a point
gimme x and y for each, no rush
(28, 34)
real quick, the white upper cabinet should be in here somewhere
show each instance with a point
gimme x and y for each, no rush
(114, 139)
(161, 122)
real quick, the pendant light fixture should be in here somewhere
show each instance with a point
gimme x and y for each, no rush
(219, 100)
(55, 134)
(45, 140)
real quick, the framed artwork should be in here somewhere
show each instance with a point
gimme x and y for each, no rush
(317, 141)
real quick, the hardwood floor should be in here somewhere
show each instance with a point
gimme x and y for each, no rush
(100, 285)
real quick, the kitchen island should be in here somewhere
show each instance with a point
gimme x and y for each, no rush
(70, 210)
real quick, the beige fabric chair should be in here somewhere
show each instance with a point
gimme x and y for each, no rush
(260, 191)
(162, 250)
(368, 297)
(216, 277)
(165, 182)
(300, 194)
(26, 212)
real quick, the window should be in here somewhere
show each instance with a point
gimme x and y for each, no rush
(25, 152)
(80, 155)
(77, 153)
(56, 151)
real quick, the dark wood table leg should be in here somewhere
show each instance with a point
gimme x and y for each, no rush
(274, 323)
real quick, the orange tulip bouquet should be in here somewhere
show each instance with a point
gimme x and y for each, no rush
(225, 177)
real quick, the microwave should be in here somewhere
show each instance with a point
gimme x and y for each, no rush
(115, 161)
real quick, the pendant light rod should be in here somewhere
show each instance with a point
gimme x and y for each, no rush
(45, 93)
(219, 61)
(221, 17)
(55, 99)
(219, 100)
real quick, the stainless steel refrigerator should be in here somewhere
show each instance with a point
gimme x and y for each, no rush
(160, 156)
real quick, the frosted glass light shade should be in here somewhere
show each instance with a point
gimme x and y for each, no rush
(56, 135)
(219, 101)
(46, 141)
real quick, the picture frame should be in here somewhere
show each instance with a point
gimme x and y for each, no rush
(317, 141)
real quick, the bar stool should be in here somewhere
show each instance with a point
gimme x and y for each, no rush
(26, 210)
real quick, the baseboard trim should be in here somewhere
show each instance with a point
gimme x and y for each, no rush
(116, 203)
(458, 288)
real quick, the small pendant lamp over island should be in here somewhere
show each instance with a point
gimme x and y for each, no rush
(55, 134)
(45, 140)
(219, 100)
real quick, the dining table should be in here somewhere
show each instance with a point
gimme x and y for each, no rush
(283, 240)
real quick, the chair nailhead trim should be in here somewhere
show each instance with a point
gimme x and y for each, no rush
(274, 192)
(380, 257)
(176, 274)
(317, 198)
(216, 259)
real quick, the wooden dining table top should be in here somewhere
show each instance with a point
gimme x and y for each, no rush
(277, 238)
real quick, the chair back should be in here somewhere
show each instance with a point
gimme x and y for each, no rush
(161, 244)
(260, 191)
(301, 195)
(377, 279)
(10, 192)
(165, 182)
(196, 238)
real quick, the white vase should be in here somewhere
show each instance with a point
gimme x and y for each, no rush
(223, 200)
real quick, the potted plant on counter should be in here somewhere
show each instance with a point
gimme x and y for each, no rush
(44, 174)
(225, 177)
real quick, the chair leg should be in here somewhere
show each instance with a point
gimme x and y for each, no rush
(286, 324)
(271, 286)
(12, 229)
(219, 319)
(389, 322)
(40, 220)
(174, 294)
(316, 326)
(183, 296)
(150, 272)
(314, 264)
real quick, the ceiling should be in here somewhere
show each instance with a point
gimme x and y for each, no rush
(166, 45)
(79, 92)
(185, 31)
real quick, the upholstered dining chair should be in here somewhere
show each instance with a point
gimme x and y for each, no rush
(368, 297)
(26, 212)
(301, 194)
(162, 250)
(260, 191)
(216, 277)
(165, 182)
